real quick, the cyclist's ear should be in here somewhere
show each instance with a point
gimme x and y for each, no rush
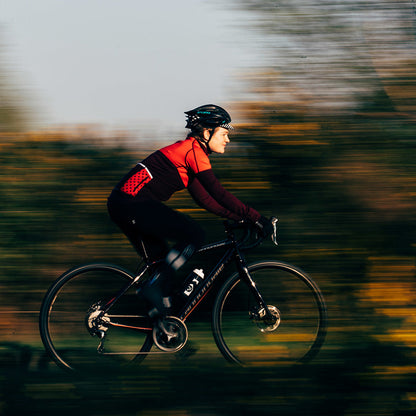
(207, 134)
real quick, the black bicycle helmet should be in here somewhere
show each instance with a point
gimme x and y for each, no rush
(208, 116)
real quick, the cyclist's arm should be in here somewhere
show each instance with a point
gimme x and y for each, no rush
(224, 198)
(206, 201)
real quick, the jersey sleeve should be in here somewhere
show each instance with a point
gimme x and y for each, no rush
(224, 198)
(206, 201)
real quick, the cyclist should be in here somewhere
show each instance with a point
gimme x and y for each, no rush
(136, 203)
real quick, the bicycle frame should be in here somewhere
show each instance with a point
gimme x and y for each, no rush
(232, 252)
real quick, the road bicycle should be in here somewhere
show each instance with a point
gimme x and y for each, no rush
(265, 313)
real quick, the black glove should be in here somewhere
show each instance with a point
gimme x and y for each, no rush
(265, 227)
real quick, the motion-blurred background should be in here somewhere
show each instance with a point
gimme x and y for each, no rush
(323, 97)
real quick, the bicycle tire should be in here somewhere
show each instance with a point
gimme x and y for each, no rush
(300, 307)
(62, 319)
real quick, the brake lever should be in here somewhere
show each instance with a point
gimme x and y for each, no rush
(274, 221)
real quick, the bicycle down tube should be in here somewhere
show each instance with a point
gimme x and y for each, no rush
(203, 289)
(206, 285)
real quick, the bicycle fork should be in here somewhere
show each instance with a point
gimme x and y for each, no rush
(245, 276)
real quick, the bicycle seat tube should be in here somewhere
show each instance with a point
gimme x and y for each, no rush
(124, 289)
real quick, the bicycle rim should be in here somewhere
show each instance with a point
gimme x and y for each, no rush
(65, 324)
(299, 327)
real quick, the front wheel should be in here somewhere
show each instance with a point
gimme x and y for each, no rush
(76, 332)
(292, 330)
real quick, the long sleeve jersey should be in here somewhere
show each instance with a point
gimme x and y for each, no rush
(184, 164)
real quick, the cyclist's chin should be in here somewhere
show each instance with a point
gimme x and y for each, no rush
(219, 150)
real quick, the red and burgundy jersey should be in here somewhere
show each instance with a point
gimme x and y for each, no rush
(184, 164)
(188, 157)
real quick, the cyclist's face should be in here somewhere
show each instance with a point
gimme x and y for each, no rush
(218, 140)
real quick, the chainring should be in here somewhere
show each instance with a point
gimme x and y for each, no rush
(174, 337)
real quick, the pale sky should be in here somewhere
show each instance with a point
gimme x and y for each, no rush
(123, 63)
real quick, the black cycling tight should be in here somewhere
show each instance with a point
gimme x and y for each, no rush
(154, 223)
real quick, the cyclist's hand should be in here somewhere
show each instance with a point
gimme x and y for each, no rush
(265, 227)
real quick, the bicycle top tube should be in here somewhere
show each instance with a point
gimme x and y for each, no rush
(231, 240)
(211, 246)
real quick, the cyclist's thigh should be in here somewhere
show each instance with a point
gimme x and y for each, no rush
(137, 220)
(154, 223)
(159, 220)
(156, 247)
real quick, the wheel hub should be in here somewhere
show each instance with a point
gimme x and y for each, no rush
(264, 321)
(96, 322)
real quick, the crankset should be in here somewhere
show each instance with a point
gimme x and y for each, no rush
(170, 334)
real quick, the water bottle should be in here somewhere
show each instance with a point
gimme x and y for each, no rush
(191, 282)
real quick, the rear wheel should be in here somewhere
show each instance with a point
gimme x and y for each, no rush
(292, 331)
(76, 332)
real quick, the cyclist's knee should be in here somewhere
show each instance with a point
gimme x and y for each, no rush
(179, 255)
(184, 249)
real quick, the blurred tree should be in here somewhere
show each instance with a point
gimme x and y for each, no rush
(13, 113)
(332, 114)
(332, 51)
(331, 120)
